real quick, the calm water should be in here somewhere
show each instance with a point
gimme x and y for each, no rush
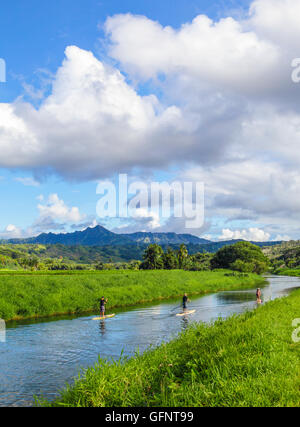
(39, 358)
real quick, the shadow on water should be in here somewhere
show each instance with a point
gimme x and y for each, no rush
(39, 357)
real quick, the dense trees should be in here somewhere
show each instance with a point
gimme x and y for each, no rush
(170, 260)
(242, 256)
(182, 256)
(156, 259)
(153, 258)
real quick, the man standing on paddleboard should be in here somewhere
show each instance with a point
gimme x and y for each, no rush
(103, 301)
(185, 300)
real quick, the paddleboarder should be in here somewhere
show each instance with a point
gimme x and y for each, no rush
(103, 302)
(185, 300)
(258, 296)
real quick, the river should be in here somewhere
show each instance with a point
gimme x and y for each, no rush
(38, 358)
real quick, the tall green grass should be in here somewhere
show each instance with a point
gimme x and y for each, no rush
(33, 295)
(247, 360)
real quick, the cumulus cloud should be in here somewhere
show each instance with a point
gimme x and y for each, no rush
(143, 220)
(55, 216)
(218, 77)
(277, 20)
(11, 232)
(222, 52)
(57, 210)
(251, 190)
(92, 123)
(252, 234)
(228, 110)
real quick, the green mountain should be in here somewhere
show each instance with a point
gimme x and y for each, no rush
(166, 238)
(100, 236)
(285, 254)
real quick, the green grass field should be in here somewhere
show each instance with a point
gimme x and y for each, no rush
(29, 295)
(247, 360)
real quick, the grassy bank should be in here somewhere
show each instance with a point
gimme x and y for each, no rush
(288, 272)
(249, 360)
(42, 294)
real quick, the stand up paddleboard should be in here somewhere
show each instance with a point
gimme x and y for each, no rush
(186, 313)
(109, 316)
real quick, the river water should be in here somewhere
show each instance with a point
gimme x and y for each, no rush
(38, 358)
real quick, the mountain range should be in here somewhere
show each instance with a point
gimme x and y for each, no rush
(100, 236)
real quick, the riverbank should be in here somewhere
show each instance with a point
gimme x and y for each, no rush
(41, 295)
(288, 272)
(248, 360)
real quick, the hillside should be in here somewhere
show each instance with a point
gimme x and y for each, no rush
(166, 238)
(15, 255)
(100, 236)
(285, 254)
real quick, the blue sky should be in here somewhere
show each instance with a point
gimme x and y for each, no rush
(33, 39)
(34, 34)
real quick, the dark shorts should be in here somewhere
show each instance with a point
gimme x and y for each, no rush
(102, 309)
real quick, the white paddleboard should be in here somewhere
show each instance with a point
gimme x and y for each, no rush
(109, 316)
(186, 313)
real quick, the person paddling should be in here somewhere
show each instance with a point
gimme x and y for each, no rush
(258, 296)
(103, 302)
(185, 300)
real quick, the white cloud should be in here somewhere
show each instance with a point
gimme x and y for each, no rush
(277, 20)
(219, 75)
(143, 220)
(56, 210)
(55, 216)
(11, 232)
(252, 234)
(92, 123)
(150, 219)
(222, 52)
(229, 112)
(280, 237)
(264, 193)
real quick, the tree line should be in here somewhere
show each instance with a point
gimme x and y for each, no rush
(244, 257)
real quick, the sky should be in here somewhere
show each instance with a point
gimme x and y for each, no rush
(194, 91)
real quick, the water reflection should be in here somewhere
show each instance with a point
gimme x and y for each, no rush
(102, 327)
(185, 322)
